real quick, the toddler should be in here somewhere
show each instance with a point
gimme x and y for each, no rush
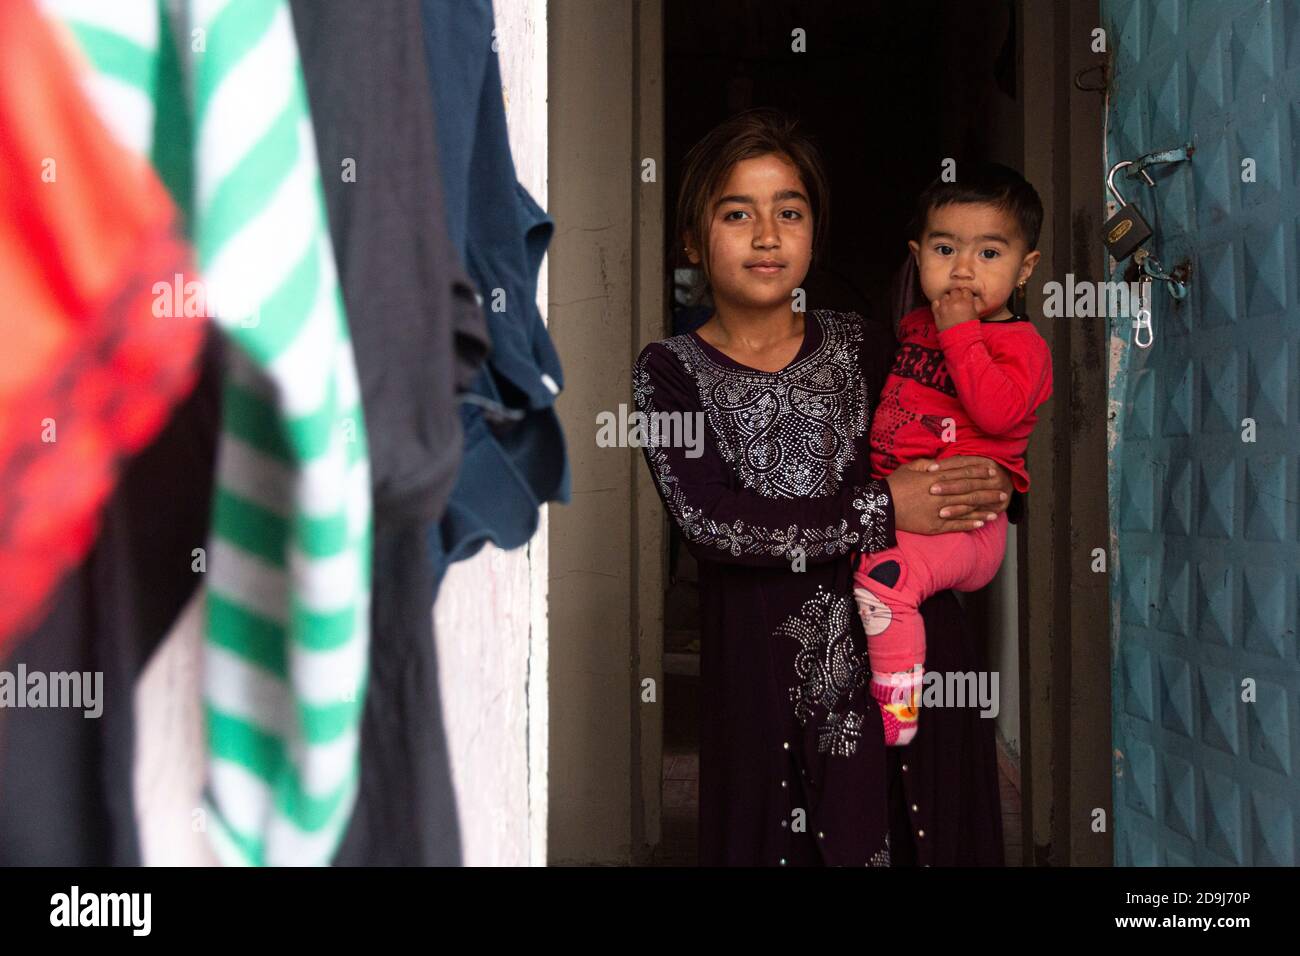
(966, 379)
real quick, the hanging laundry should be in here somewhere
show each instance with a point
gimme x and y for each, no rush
(67, 793)
(419, 336)
(92, 363)
(289, 573)
(288, 568)
(514, 446)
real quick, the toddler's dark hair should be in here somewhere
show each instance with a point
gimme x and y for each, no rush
(984, 182)
(755, 132)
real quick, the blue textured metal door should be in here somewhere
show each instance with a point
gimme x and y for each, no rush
(1205, 443)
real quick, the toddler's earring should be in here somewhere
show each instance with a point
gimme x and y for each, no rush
(1018, 306)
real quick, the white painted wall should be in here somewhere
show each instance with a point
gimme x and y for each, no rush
(490, 620)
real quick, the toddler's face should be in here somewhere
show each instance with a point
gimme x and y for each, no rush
(762, 214)
(974, 246)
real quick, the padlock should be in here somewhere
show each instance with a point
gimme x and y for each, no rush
(1126, 230)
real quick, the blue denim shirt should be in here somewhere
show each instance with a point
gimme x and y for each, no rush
(514, 457)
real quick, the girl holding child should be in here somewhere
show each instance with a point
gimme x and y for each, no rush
(779, 510)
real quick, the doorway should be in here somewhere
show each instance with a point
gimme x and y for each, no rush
(885, 116)
(889, 90)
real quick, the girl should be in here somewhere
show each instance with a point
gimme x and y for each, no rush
(792, 759)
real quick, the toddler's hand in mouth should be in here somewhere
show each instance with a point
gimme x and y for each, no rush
(954, 307)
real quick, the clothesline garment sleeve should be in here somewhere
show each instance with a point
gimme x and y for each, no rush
(723, 521)
(1000, 377)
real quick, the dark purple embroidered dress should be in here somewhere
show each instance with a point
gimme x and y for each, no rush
(793, 768)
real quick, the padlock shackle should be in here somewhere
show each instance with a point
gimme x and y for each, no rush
(1110, 180)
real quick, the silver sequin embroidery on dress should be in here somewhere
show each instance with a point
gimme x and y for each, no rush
(790, 433)
(881, 856)
(816, 409)
(829, 669)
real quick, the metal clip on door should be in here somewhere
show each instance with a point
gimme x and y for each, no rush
(1142, 321)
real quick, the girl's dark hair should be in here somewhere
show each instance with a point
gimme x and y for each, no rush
(755, 132)
(983, 182)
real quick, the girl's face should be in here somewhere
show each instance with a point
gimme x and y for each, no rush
(760, 234)
(976, 246)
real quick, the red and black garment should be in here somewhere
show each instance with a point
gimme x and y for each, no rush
(88, 371)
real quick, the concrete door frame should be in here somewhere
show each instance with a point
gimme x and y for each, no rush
(606, 548)
(1065, 605)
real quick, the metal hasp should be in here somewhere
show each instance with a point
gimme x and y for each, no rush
(1178, 154)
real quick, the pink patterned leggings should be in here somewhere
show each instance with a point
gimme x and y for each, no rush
(889, 587)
